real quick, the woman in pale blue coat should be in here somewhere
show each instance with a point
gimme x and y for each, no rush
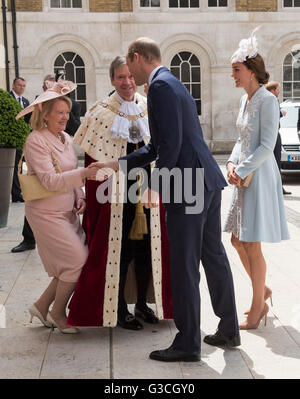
(257, 212)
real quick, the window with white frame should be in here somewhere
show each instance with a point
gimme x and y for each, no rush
(217, 3)
(66, 3)
(291, 3)
(185, 66)
(291, 76)
(149, 3)
(71, 65)
(184, 3)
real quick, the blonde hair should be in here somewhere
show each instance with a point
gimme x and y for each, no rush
(37, 120)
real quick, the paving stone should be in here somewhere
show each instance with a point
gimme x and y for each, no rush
(84, 355)
(22, 351)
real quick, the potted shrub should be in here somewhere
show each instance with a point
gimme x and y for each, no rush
(13, 134)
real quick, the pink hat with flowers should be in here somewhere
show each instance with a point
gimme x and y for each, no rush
(54, 90)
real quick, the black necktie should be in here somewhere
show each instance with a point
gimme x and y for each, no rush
(20, 101)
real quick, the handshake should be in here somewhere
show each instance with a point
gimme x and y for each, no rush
(101, 171)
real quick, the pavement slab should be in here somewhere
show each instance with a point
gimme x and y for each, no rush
(85, 355)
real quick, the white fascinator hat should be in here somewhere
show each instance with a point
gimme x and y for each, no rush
(248, 48)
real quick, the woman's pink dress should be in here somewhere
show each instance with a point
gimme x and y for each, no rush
(59, 236)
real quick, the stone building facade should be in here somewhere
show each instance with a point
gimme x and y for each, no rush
(197, 39)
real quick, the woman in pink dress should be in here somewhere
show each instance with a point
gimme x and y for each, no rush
(55, 219)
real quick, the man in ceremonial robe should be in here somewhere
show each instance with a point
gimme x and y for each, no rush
(120, 270)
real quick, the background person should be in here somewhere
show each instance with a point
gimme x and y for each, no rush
(257, 212)
(274, 88)
(17, 91)
(28, 243)
(54, 220)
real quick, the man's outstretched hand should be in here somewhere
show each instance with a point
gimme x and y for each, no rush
(105, 169)
(150, 199)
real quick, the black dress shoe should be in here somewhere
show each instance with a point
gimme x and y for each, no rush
(130, 322)
(23, 246)
(285, 192)
(18, 199)
(174, 355)
(219, 339)
(145, 314)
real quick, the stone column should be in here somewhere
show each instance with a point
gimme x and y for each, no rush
(225, 100)
(103, 85)
(164, 5)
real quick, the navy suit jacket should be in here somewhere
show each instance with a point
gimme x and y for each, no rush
(74, 120)
(176, 135)
(25, 104)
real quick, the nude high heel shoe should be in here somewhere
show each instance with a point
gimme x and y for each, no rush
(67, 330)
(34, 312)
(268, 294)
(248, 326)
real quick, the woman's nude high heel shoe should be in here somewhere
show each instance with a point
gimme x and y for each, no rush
(34, 312)
(248, 326)
(67, 330)
(268, 294)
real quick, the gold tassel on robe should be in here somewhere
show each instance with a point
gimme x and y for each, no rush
(139, 225)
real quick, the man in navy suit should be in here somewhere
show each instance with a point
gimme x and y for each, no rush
(18, 88)
(28, 243)
(177, 142)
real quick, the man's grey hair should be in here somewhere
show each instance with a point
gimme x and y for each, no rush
(116, 63)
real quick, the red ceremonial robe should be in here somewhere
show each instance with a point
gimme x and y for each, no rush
(90, 303)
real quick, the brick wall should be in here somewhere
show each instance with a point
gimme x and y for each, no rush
(27, 5)
(256, 5)
(126, 5)
(110, 5)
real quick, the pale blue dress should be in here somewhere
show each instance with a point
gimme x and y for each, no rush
(257, 212)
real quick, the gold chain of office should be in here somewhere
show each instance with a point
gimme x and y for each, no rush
(139, 225)
(122, 114)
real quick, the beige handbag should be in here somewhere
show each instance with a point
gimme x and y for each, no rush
(31, 186)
